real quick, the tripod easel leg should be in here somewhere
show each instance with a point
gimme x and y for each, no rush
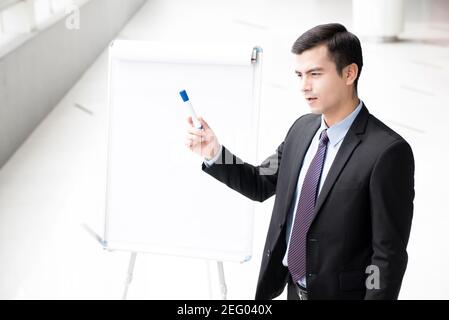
(129, 277)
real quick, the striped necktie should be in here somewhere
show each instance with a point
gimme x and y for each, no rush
(304, 212)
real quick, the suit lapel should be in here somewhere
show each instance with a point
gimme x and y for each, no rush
(349, 143)
(302, 141)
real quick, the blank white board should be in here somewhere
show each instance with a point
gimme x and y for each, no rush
(158, 200)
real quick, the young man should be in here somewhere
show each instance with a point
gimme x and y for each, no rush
(344, 184)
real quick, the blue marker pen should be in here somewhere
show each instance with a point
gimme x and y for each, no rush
(186, 100)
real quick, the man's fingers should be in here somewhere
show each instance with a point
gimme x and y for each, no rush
(203, 123)
(196, 132)
(196, 139)
(194, 147)
(201, 120)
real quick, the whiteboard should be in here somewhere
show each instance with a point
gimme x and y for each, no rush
(158, 200)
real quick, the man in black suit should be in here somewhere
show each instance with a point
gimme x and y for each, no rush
(344, 184)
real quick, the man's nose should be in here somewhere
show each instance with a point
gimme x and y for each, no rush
(305, 85)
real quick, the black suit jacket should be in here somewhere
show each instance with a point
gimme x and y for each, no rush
(362, 217)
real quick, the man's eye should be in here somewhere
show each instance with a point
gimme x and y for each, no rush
(299, 75)
(315, 74)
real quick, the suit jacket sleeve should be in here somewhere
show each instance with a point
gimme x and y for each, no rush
(391, 195)
(255, 182)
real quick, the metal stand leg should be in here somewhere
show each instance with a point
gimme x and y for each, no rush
(221, 276)
(129, 277)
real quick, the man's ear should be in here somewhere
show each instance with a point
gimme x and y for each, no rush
(350, 73)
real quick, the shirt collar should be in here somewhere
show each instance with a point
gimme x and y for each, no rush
(338, 131)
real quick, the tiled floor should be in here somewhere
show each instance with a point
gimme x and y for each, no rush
(56, 180)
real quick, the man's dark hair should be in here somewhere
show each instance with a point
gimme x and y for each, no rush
(344, 47)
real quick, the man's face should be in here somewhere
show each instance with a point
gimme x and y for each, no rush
(321, 85)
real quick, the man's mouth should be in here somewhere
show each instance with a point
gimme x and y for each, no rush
(310, 99)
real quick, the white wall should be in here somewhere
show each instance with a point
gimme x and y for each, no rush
(36, 74)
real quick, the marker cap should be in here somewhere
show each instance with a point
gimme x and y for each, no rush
(184, 96)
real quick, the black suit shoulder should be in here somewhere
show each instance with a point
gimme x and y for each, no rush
(381, 137)
(382, 130)
(305, 119)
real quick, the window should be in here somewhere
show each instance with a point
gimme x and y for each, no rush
(19, 17)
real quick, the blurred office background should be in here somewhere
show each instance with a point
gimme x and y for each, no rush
(53, 103)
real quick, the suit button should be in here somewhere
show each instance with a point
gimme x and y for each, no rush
(268, 253)
(281, 225)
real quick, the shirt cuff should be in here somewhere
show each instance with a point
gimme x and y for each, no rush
(210, 162)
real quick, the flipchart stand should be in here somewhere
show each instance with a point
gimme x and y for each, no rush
(132, 263)
(256, 58)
